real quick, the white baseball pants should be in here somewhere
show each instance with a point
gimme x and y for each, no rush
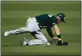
(31, 26)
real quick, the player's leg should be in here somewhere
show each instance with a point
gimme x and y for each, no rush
(33, 27)
(29, 28)
(16, 31)
(41, 39)
(32, 42)
(33, 34)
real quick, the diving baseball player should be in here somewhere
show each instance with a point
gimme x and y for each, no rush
(34, 26)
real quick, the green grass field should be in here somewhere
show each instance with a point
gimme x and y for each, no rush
(13, 16)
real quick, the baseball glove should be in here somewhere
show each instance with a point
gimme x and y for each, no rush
(65, 43)
(60, 43)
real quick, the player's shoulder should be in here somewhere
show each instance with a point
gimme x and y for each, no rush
(51, 15)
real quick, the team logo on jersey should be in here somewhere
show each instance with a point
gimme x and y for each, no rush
(50, 15)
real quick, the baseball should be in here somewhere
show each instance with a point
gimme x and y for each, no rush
(48, 44)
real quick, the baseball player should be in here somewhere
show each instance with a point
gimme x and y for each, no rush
(34, 26)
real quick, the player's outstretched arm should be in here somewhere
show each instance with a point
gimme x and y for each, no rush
(58, 38)
(57, 30)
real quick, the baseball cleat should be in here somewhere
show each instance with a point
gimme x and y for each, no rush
(25, 41)
(6, 33)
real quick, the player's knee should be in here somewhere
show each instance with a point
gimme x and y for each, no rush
(45, 41)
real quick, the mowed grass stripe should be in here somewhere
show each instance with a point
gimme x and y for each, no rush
(31, 13)
(45, 6)
(43, 49)
(40, 2)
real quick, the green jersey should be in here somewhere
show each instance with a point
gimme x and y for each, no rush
(46, 19)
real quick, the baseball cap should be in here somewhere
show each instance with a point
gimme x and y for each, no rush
(62, 16)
